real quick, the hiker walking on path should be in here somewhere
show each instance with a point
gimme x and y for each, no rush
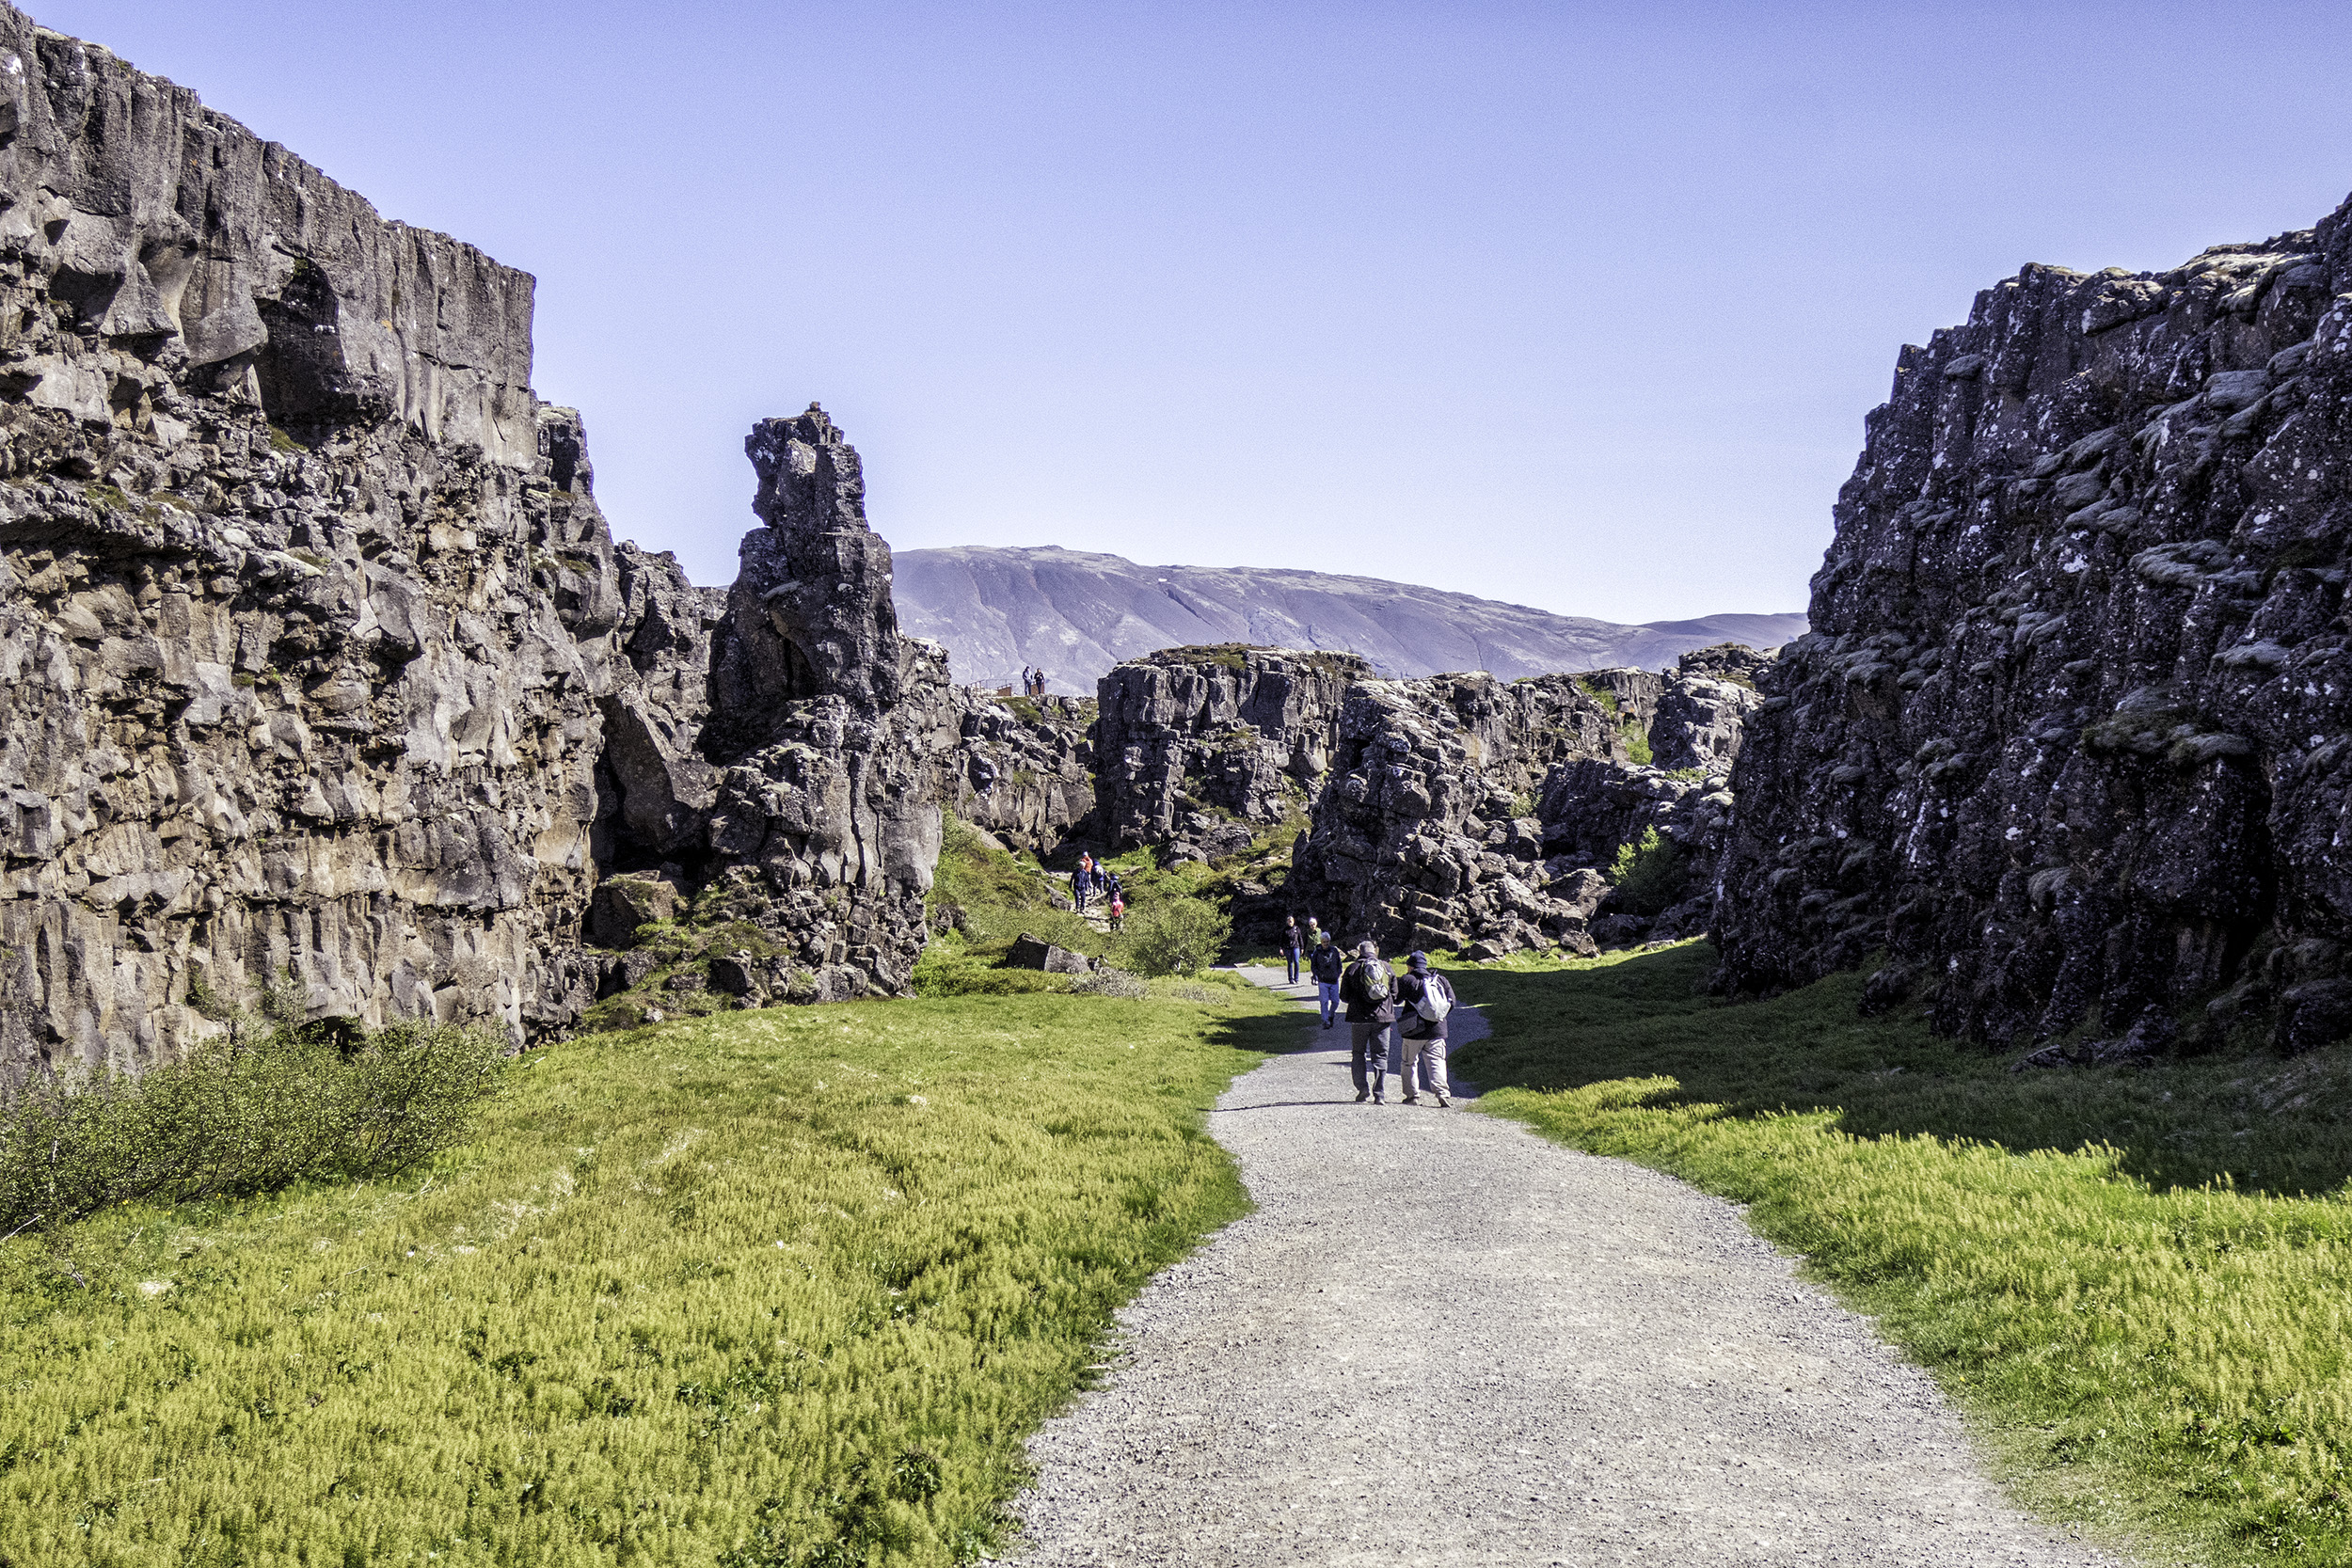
(1118, 911)
(1370, 992)
(1293, 945)
(1079, 884)
(1424, 999)
(1325, 965)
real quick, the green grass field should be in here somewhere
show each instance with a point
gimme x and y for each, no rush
(2138, 1283)
(785, 1287)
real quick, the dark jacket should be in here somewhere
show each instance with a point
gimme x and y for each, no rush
(1370, 992)
(1294, 940)
(1410, 989)
(1328, 962)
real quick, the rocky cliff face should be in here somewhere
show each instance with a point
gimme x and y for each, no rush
(1199, 749)
(304, 604)
(2071, 739)
(777, 756)
(1023, 770)
(317, 662)
(1471, 813)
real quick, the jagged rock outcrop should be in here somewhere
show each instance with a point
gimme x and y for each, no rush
(654, 786)
(2072, 738)
(318, 664)
(778, 754)
(304, 603)
(1704, 704)
(1199, 749)
(1022, 770)
(1426, 834)
(1469, 814)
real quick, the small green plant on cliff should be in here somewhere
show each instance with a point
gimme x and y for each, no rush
(1598, 693)
(1647, 873)
(1636, 742)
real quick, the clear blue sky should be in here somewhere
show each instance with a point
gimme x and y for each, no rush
(1574, 306)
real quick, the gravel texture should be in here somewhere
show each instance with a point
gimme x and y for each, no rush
(1441, 1339)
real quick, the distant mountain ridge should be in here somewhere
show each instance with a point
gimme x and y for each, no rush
(1075, 614)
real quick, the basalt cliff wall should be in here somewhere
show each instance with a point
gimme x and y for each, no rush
(318, 665)
(1486, 816)
(1199, 749)
(1457, 811)
(2070, 741)
(305, 606)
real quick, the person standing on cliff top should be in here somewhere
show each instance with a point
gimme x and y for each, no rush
(1293, 945)
(1369, 990)
(1420, 995)
(1326, 964)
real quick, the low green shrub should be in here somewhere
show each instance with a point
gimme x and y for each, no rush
(1109, 981)
(234, 1117)
(1647, 873)
(1175, 936)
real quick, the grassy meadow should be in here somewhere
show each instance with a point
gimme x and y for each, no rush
(771, 1288)
(2137, 1282)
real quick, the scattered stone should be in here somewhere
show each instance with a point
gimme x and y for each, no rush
(622, 904)
(1029, 953)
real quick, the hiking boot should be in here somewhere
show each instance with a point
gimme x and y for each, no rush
(1363, 1095)
(1412, 1099)
(1444, 1104)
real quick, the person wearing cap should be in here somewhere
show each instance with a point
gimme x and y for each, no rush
(1421, 1040)
(1370, 992)
(1327, 964)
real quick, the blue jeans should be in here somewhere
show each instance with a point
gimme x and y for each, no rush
(1328, 992)
(1293, 959)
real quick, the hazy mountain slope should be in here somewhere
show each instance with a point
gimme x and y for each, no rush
(1077, 614)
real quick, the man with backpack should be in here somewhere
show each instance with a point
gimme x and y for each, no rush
(1083, 882)
(1369, 990)
(1425, 999)
(1325, 965)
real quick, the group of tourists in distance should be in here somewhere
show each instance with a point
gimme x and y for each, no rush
(1095, 880)
(1376, 1000)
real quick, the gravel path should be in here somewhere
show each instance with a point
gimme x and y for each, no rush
(1441, 1339)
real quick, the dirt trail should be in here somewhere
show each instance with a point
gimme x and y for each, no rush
(1440, 1340)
